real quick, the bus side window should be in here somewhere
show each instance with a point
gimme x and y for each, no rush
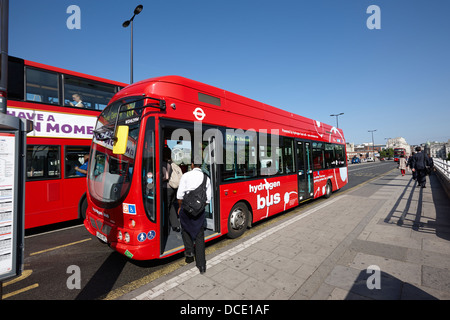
(43, 162)
(74, 157)
(42, 86)
(240, 155)
(318, 157)
(330, 159)
(340, 155)
(89, 94)
(288, 155)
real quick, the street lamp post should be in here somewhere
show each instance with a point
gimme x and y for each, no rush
(126, 24)
(4, 18)
(337, 120)
(386, 149)
(387, 141)
(373, 144)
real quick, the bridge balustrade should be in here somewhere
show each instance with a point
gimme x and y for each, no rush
(443, 173)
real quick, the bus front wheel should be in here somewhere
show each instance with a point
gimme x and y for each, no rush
(82, 207)
(238, 220)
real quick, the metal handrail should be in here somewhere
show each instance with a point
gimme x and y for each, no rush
(443, 166)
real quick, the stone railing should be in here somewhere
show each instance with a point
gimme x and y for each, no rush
(443, 173)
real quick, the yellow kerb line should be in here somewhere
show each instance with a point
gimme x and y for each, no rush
(58, 247)
(6, 296)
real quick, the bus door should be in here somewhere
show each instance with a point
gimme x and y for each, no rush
(209, 166)
(305, 173)
(178, 142)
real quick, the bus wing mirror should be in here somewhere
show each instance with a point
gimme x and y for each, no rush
(121, 139)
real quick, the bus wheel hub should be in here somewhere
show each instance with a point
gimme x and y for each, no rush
(237, 219)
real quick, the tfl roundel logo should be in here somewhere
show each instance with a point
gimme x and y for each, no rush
(199, 114)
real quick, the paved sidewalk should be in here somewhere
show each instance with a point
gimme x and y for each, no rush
(387, 233)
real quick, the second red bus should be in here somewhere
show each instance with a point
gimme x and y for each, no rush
(398, 152)
(61, 137)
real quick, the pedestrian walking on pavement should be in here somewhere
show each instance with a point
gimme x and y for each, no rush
(402, 164)
(193, 226)
(419, 164)
(414, 173)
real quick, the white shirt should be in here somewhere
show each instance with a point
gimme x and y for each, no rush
(190, 181)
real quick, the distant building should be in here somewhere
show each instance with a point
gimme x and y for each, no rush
(399, 142)
(437, 149)
(434, 149)
(363, 150)
(350, 149)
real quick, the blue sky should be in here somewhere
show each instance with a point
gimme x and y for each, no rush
(313, 58)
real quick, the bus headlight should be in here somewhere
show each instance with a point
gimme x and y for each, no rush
(127, 237)
(132, 223)
(119, 235)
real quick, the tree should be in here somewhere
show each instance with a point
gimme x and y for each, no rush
(386, 153)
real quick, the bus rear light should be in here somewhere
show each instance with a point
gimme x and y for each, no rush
(127, 237)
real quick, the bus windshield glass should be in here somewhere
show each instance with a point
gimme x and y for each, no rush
(110, 174)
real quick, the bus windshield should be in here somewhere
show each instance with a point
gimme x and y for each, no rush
(110, 174)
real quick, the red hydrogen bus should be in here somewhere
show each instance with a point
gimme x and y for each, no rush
(261, 161)
(399, 152)
(61, 137)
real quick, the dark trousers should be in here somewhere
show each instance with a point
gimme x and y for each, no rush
(421, 177)
(171, 195)
(196, 248)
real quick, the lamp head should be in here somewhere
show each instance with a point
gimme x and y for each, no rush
(138, 9)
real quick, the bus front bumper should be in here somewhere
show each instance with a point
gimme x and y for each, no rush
(109, 234)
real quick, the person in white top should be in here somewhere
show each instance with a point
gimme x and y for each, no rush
(193, 229)
(78, 103)
(402, 164)
(191, 180)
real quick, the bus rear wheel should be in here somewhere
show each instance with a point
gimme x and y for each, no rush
(238, 220)
(328, 189)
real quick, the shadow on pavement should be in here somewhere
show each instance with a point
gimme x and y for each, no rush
(389, 288)
(432, 215)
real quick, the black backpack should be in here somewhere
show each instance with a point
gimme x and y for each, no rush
(194, 202)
